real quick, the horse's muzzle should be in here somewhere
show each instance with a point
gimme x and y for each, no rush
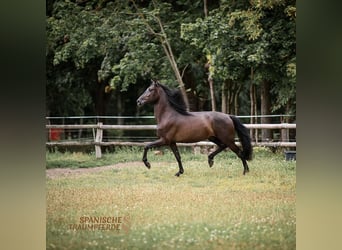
(140, 103)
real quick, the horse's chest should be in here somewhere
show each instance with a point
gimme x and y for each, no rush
(166, 131)
(162, 130)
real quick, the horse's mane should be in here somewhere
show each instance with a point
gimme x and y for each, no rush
(175, 98)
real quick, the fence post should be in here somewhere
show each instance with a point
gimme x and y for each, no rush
(98, 139)
(285, 135)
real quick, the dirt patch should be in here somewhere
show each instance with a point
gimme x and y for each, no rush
(66, 172)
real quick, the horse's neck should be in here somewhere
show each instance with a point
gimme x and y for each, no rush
(162, 109)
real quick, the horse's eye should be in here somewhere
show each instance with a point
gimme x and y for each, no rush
(150, 89)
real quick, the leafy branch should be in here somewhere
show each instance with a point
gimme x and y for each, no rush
(164, 41)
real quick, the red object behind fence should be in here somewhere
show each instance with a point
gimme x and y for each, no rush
(55, 134)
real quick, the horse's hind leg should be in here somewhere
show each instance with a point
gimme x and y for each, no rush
(212, 155)
(175, 151)
(238, 152)
(219, 150)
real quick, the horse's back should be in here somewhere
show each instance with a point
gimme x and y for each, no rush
(221, 124)
(215, 117)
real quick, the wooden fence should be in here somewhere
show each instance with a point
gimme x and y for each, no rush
(97, 142)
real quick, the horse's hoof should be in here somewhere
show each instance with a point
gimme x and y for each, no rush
(245, 171)
(211, 162)
(147, 164)
(178, 174)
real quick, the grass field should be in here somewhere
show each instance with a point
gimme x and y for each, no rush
(205, 208)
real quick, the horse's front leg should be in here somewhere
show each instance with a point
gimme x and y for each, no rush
(175, 151)
(157, 143)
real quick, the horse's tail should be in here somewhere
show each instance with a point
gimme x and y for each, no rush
(243, 134)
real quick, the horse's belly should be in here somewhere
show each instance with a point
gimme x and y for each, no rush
(191, 133)
(191, 139)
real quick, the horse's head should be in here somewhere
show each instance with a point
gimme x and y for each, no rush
(151, 94)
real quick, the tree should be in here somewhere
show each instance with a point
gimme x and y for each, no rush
(98, 50)
(165, 43)
(80, 45)
(253, 44)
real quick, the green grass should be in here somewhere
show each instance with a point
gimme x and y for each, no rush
(124, 154)
(205, 208)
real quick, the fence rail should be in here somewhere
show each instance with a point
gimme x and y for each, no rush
(97, 141)
(154, 127)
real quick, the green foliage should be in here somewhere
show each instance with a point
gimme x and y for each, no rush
(240, 36)
(65, 91)
(120, 44)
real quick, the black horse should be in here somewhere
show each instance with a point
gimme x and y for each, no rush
(176, 124)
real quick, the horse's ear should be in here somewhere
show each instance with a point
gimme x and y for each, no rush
(155, 82)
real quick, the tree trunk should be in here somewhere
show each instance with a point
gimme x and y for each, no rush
(210, 79)
(205, 8)
(234, 90)
(231, 88)
(285, 132)
(252, 119)
(224, 97)
(167, 49)
(256, 132)
(102, 98)
(212, 93)
(253, 107)
(236, 99)
(230, 103)
(265, 109)
(120, 108)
